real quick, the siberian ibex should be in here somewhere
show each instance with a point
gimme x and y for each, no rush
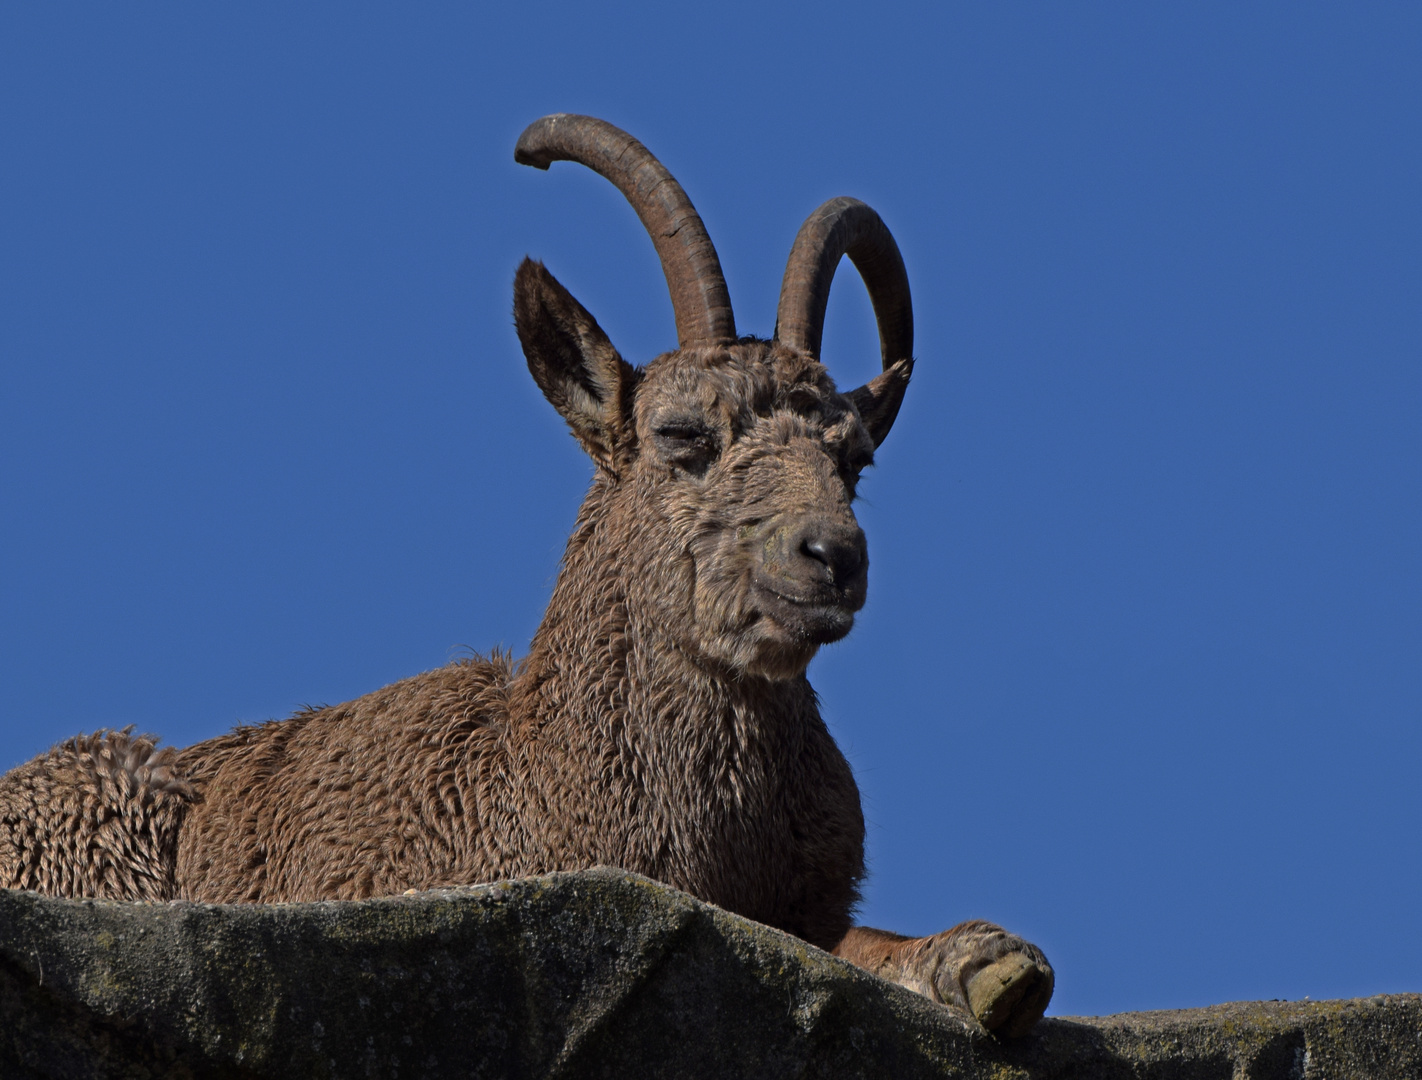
(662, 720)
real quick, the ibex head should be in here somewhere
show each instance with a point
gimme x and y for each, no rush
(727, 468)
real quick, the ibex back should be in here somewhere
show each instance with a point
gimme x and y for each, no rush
(662, 721)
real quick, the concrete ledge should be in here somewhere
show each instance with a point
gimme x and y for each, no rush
(595, 974)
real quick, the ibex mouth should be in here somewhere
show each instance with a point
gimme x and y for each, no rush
(819, 619)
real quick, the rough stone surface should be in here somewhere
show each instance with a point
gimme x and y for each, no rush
(595, 974)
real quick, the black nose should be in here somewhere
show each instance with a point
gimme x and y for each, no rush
(839, 550)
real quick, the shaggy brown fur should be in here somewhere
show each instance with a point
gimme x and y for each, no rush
(662, 721)
(96, 816)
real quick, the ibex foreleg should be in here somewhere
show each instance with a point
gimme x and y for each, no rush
(1004, 981)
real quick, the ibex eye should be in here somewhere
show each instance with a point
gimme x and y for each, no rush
(688, 445)
(681, 433)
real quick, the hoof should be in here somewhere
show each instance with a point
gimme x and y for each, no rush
(1010, 995)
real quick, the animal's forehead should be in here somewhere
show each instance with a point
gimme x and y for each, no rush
(745, 379)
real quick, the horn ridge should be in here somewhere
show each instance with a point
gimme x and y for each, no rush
(700, 299)
(840, 227)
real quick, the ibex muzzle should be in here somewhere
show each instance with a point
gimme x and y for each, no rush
(815, 571)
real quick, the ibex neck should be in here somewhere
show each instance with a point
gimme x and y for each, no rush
(670, 766)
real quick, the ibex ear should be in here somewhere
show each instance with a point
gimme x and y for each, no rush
(879, 399)
(575, 366)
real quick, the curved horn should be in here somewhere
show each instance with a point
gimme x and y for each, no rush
(840, 227)
(698, 288)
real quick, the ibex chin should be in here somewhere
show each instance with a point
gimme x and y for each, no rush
(662, 720)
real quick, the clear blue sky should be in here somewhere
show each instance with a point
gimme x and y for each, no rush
(1141, 670)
